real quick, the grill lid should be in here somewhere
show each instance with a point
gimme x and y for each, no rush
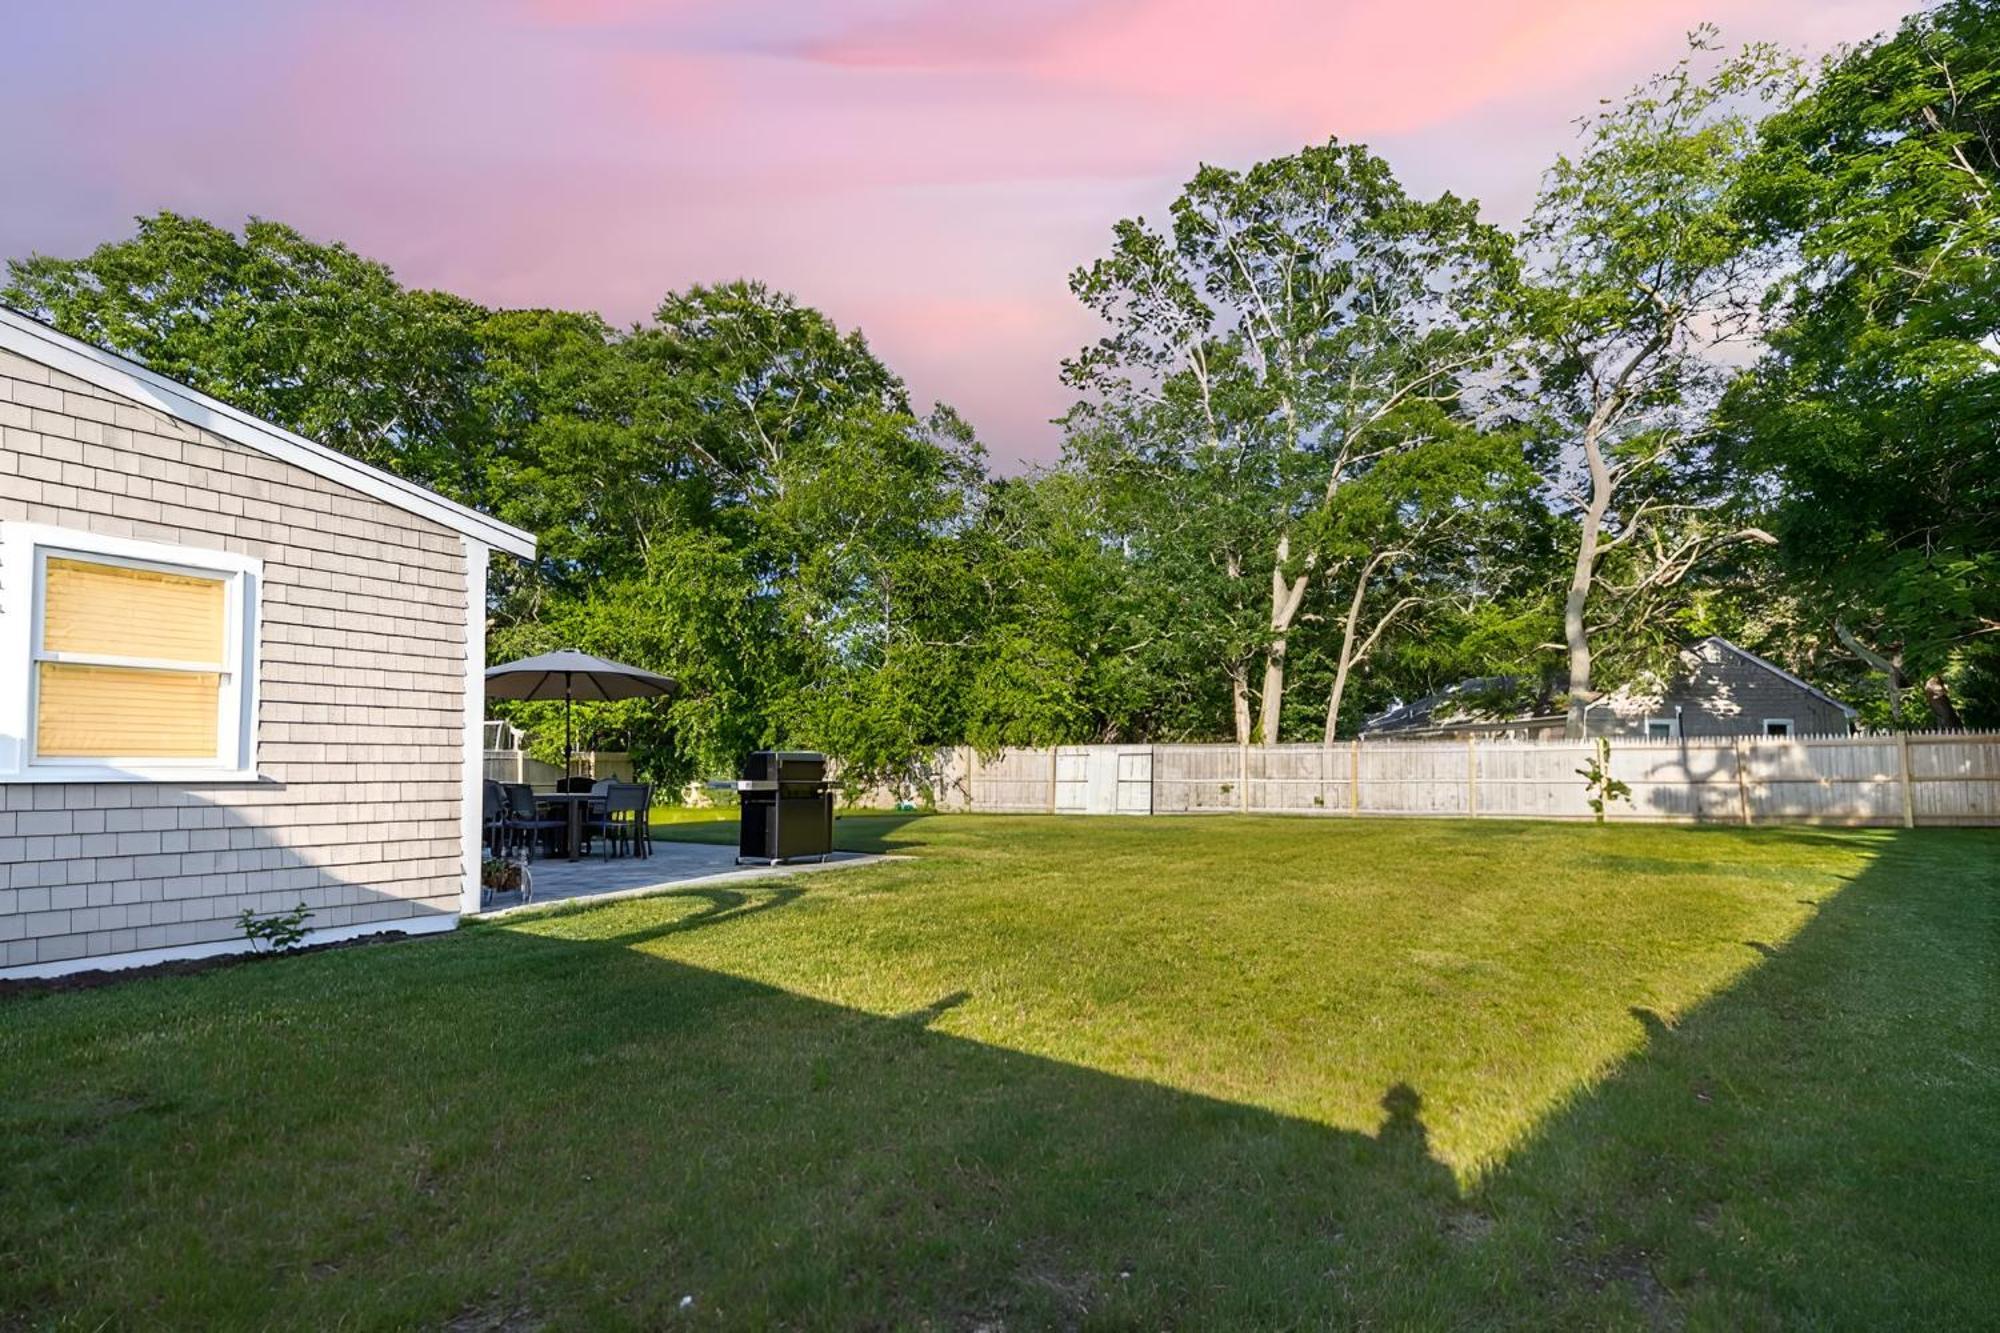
(784, 766)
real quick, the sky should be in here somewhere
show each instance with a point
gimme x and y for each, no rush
(928, 170)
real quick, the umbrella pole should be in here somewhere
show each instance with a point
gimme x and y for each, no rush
(568, 745)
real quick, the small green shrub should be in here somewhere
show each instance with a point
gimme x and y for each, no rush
(276, 933)
(1600, 786)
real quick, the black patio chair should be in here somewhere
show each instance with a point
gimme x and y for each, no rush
(620, 820)
(567, 785)
(594, 809)
(643, 834)
(493, 817)
(524, 819)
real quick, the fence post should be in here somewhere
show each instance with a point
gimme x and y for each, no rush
(1354, 776)
(1054, 750)
(1243, 778)
(1909, 792)
(1742, 783)
(1471, 778)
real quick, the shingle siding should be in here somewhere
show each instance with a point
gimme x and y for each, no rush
(360, 710)
(1719, 693)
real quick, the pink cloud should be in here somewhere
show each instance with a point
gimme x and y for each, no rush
(1363, 69)
(930, 170)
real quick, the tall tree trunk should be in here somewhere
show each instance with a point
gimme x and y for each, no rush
(1239, 668)
(1355, 646)
(1286, 594)
(1575, 629)
(1333, 700)
(1938, 695)
(1346, 664)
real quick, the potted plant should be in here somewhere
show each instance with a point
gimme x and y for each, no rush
(500, 876)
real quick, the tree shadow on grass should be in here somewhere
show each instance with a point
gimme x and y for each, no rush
(515, 1125)
(719, 904)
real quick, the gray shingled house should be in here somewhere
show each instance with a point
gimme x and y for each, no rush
(1716, 689)
(1719, 689)
(238, 670)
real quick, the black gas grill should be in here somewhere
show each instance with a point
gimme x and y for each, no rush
(787, 807)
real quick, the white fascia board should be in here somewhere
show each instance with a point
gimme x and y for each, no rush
(39, 343)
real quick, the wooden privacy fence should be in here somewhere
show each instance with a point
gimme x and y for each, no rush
(1905, 779)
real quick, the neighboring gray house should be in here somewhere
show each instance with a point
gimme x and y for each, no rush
(1717, 689)
(237, 670)
(1721, 690)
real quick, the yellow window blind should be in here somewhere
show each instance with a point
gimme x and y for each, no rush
(100, 712)
(110, 610)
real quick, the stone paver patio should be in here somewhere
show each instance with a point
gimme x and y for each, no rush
(672, 865)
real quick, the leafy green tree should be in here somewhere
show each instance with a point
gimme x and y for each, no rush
(1431, 534)
(691, 612)
(308, 335)
(737, 493)
(1301, 323)
(1875, 408)
(1112, 613)
(1641, 272)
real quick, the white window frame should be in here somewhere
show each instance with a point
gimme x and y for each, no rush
(1790, 728)
(1672, 724)
(25, 549)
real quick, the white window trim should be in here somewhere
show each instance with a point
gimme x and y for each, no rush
(1791, 728)
(23, 549)
(1673, 726)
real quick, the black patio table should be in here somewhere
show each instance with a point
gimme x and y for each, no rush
(574, 803)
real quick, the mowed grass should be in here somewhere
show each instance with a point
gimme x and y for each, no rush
(1067, 1072)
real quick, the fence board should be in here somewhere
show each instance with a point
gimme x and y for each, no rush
(1012, 781)
(1414, 778)
(1296, 779)
(1196, 779)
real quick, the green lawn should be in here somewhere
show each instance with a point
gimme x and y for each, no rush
(1067, 1072)
(692, 814)
(722, 815)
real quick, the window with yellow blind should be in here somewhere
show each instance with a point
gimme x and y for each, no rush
(138, 658)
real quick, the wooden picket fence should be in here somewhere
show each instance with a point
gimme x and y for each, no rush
(1908, 779)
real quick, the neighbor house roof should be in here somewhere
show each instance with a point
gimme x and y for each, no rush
(1777, 670)
(30, 338)
(1693, 651)
(1466, 705)
(1469, 703)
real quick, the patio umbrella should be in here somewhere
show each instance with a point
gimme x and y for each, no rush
(569, 675)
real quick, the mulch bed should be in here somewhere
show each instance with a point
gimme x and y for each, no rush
(177, 967)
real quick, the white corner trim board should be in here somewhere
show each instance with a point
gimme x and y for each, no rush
(120, 962)
(472, 813)
(43, 345)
